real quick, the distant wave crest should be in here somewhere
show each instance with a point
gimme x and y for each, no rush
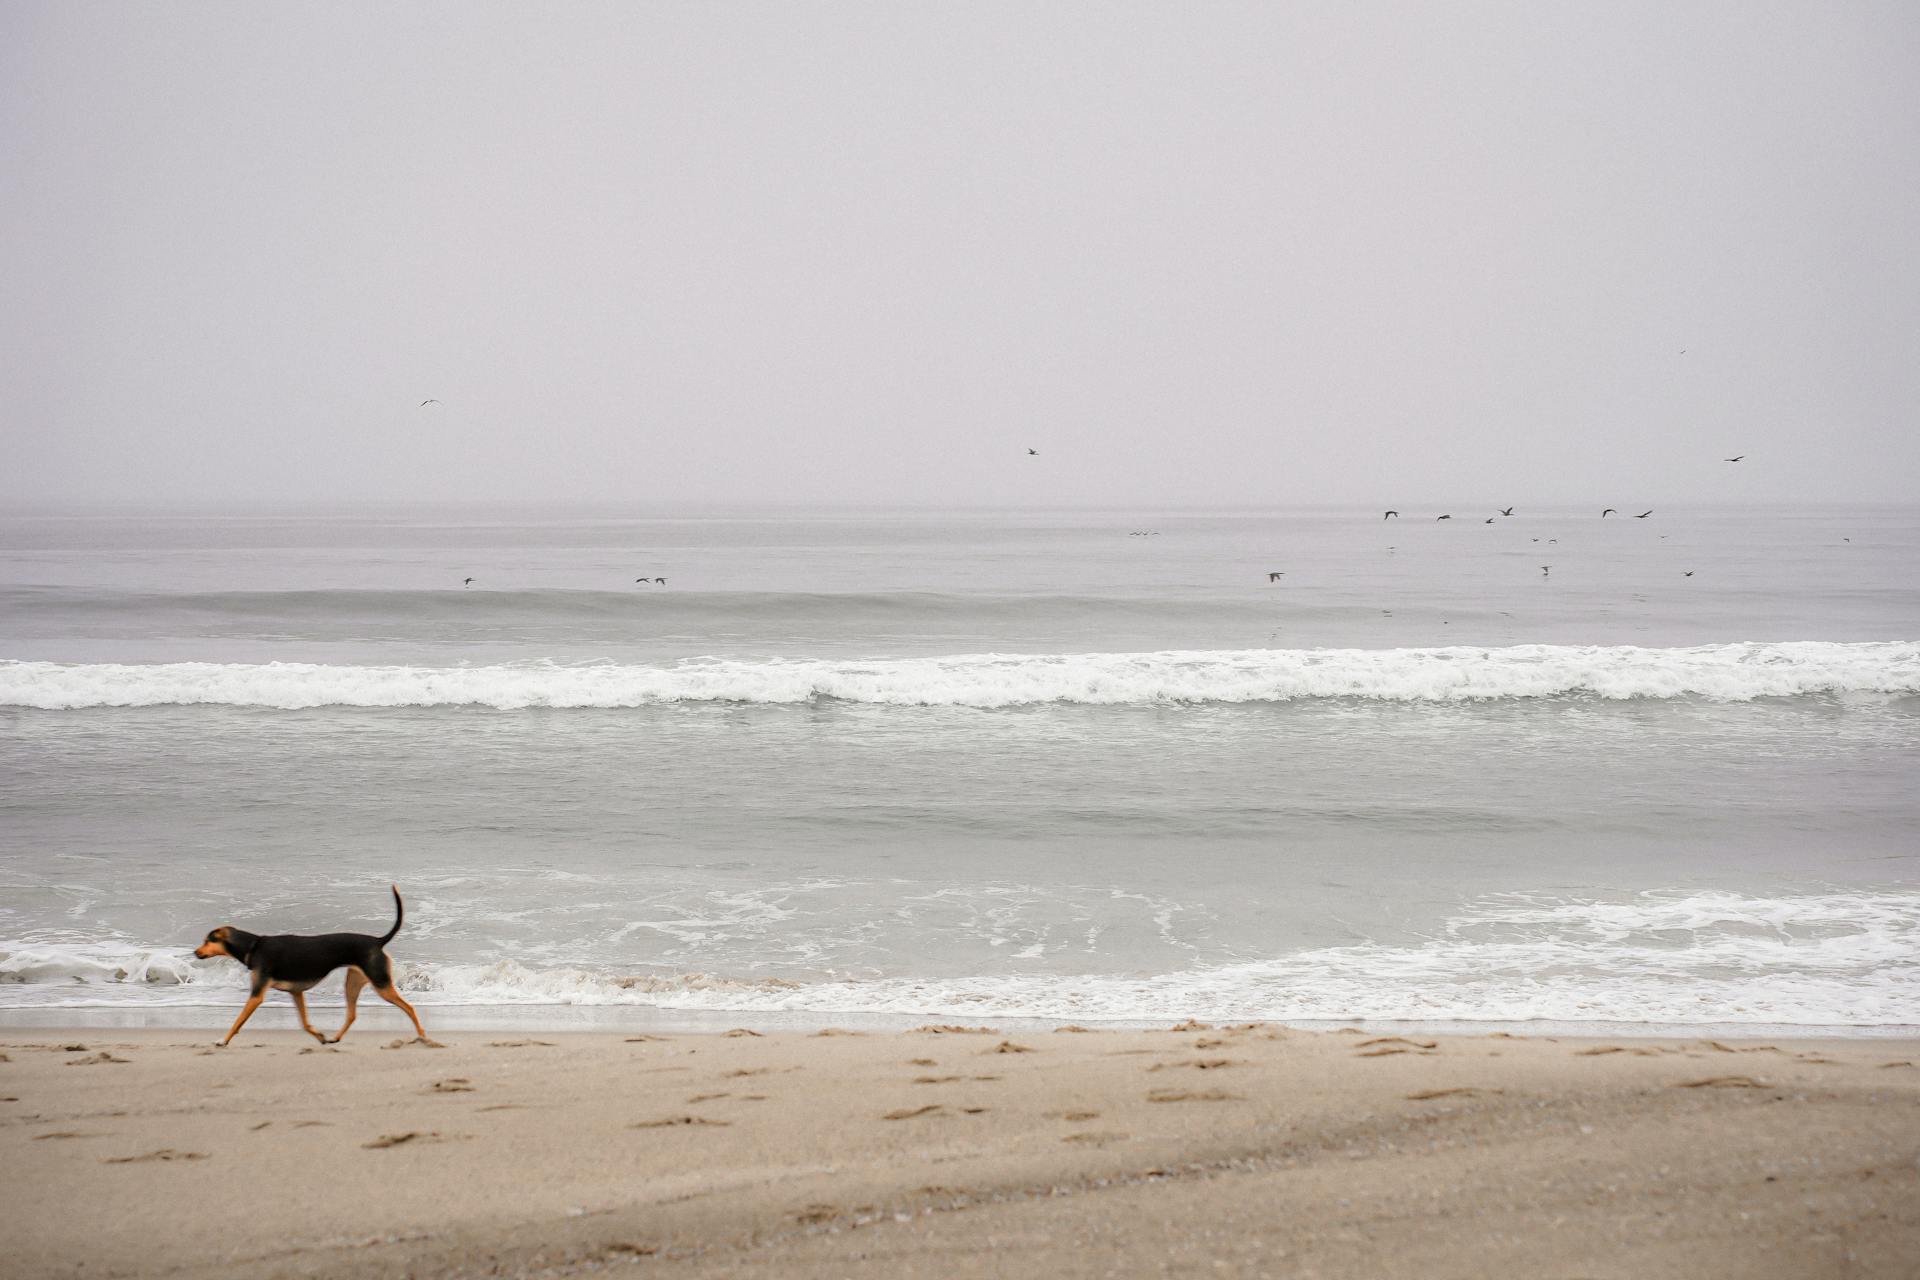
(1725, 672)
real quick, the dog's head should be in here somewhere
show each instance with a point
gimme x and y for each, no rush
(226, 941)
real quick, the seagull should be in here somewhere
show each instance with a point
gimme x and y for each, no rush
(1733, 459)
(467, 583)
(638, 580)
(1687, 574)
(1489, 519)
(1391, 515)
(1643, 515)
(661, 581)
(425, 403)
(1506, 511)
(1443, 517)
(1275, 577)
(1604, 514)
(1033, 453)
(1546, 570)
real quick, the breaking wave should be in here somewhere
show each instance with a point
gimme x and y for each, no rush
(1724, 672)
(1831, 960)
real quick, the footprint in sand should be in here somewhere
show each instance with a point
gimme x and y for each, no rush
(1192, 1024)
(418, 1042)
(1199, 1064)
(643, 1039)
(255, 1128)
(311, 1124)
(707, 1097)
(1401, 1040)
(319, 1048)
(455, 1084)
(1723, 1082)
(97, 1059)
(520, 1044)
(674, 1122)
(741, 1031)
(922, 1062)
(937, 1079)
(836, 1031)
(1073, 1030)
(416, 1136)
(739, 1072)
(908, 1113)
(1192, 1095)
(1008, 1046)
(948, 1029)
(1097, 1137)
(1073, 1117)
(165, 1153)
(1428, 1094)
(815, 1214)
(66, 1133)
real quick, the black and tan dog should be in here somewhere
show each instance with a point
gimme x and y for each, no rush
(292, 963)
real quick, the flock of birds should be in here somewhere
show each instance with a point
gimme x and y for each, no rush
(1546, 570)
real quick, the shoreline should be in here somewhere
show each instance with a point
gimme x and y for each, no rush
(587, 1018)
(1245, 1150)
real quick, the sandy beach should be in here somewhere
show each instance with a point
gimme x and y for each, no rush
(1247, 1150)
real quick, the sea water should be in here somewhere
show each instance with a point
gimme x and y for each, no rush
(1069, 765)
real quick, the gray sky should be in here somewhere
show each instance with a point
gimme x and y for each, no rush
(1194, 253)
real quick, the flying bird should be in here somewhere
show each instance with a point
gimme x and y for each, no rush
(1391, 515)
(1643, 515)
(425, 403)
(1687, 574)
(1733, 459)
(1506, 511)
(1443, 517)
(467, 582)
(1489, 519)
(1275, 577)
(1546, 570)
(1033, 453)
(1604, 514)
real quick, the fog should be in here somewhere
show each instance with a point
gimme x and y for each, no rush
(670, 254)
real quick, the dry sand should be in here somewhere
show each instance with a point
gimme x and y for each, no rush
(1201, 1152)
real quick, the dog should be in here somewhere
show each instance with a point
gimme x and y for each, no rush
(293, 962)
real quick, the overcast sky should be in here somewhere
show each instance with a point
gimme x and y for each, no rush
(872, 253)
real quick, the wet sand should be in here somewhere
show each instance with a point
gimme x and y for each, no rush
(1242, 1151)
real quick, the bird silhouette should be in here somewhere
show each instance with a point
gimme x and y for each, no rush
(1506, 511)
(1604, 514)
(1733, 459)
(467, 582)
(1546, 570)
(1275, 577)
(1687, 574)
(1033, 453)
(1489, 519)
(1443, 517)
(1391, 515)
(1643, 515)
(425, 403)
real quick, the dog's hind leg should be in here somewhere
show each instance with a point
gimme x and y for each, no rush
(300, 1003)
(391, 996)
(355, 981)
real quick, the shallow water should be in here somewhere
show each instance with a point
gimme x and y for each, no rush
(1069, 765)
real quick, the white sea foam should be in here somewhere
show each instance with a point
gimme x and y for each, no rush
(1728, 672)
(1828, 960)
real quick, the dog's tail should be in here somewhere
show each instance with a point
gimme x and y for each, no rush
(399, 915)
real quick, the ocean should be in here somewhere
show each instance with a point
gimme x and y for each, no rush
(898, 766)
